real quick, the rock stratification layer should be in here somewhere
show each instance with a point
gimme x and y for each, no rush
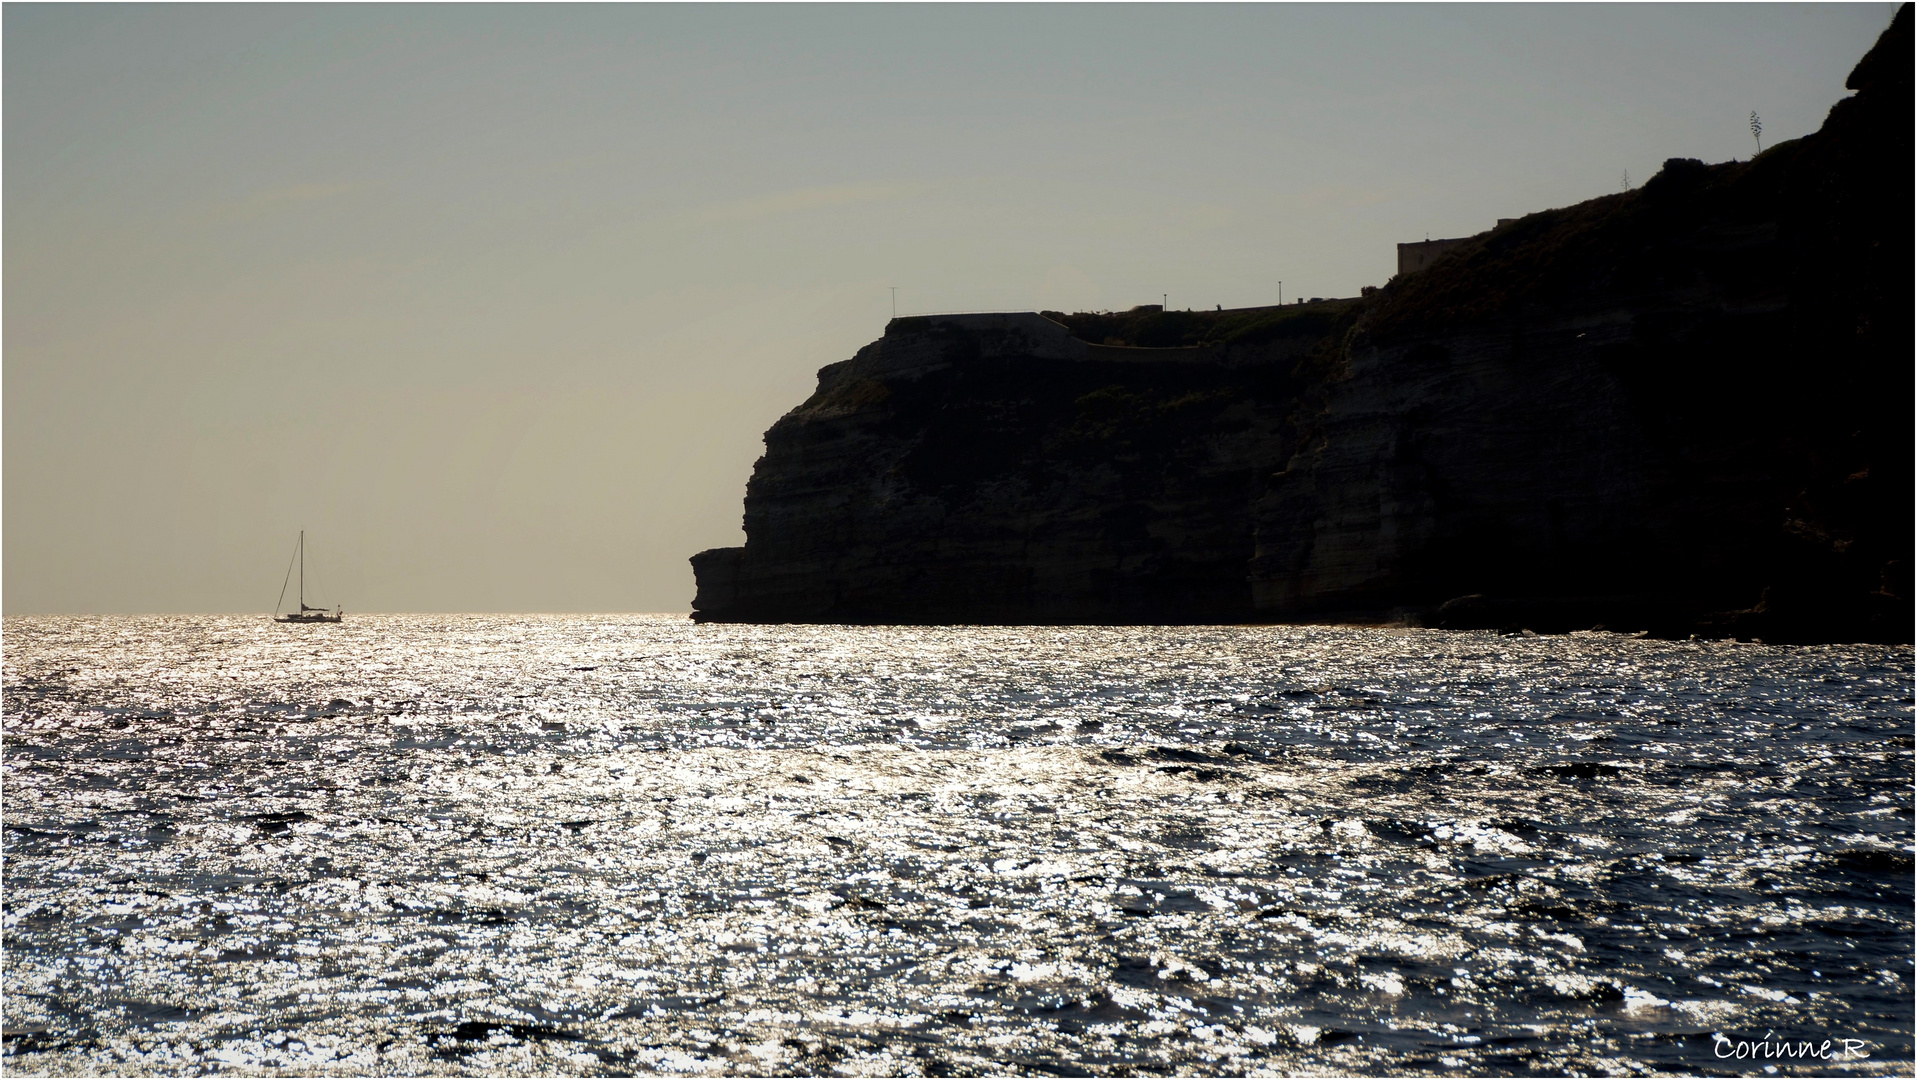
(1685, 408)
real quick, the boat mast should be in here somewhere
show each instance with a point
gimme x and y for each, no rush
(302, 570)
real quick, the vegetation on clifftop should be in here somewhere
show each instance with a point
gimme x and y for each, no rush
(1149, 327)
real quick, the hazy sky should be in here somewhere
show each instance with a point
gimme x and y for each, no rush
(496, 301)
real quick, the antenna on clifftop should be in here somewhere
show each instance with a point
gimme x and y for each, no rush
(895, 300)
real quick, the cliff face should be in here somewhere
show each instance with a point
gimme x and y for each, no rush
(1685, 408)
(997, 469)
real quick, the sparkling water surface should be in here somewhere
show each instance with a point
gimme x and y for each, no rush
(632, 844)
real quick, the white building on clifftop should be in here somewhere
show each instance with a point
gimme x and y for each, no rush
(1420, 254)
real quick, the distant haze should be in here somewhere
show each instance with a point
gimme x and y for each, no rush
(496, 301)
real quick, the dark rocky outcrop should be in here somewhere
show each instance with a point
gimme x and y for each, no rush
(1685, 408)
(996, 469)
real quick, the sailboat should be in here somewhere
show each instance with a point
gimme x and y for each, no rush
(304, 614)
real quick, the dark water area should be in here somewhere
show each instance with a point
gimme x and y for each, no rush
(630, 844)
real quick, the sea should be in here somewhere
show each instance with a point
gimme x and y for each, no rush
(631, 844)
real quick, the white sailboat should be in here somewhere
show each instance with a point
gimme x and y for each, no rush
(304, 614)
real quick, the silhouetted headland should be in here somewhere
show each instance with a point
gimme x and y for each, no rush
(1680, 409)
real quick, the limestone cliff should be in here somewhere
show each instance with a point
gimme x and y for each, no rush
(1685, 408)
(996, 468)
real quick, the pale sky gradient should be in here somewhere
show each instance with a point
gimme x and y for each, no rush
(496, 301)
